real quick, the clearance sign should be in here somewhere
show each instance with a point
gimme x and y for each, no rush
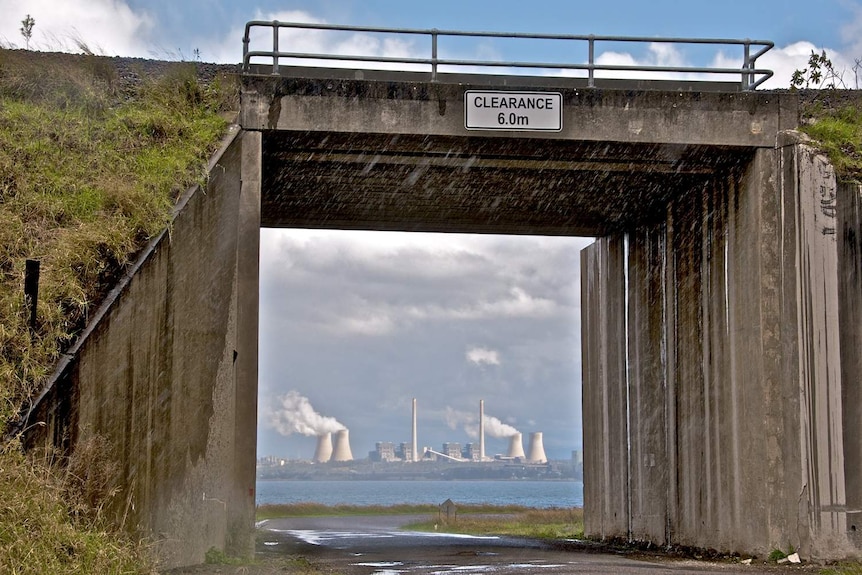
(518, 111)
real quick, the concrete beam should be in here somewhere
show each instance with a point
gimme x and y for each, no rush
(750, 119)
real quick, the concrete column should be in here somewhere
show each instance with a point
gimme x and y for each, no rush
(757, 396)
(850, 320)
(606, 489)
(647, 384)
(240, 538)
(686, 338)
(812, 194)
(722, 439)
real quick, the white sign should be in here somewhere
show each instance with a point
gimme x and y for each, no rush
(513, 111)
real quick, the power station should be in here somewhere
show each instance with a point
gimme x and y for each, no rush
(334, 446)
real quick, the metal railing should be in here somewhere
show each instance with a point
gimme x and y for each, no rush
(750, 76)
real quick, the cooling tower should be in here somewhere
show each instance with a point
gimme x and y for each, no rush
(481, 430)
(536, 452)
(341, 447)
(324, 448)
(516, 446)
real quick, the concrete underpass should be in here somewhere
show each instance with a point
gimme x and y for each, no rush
(722, 300)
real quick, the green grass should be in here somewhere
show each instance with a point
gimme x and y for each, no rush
(471, 519)
(532, 523)
(45, 529)
(837, 132)
(843, 569)
(86, 178)
(90, 169)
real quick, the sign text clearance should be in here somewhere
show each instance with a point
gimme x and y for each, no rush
(522, 111)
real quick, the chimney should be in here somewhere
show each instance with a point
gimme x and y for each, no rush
(481, 430)
(415, 455)
(341, 447)
(516, 446)
(536, 452)
(324, 448)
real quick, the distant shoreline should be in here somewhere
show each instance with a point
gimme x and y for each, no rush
(439, 479)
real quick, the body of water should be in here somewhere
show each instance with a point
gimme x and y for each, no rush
(541, 494)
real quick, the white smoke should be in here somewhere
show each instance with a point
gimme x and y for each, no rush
(470, 422)
(496, 428)
(293, 413)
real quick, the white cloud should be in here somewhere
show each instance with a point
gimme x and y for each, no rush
(784, 61)
(108, 27)
(480, 355)
(658, 54)
(384, 317)
(368, 322)
(229, 48)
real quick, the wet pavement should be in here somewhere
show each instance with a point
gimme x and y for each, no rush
(377, 546)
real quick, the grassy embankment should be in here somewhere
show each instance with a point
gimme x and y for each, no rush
(90, 167)
(473, 519)
(836, 129)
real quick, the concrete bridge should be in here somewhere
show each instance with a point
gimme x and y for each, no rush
(722, 298)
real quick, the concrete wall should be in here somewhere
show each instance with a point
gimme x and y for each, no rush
(737, 416)
(849, 236)
(167, 372)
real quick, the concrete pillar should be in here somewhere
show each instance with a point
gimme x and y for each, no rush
(687, 404)
(647, 384)
(240, 537)
(811, 207)
(740, 434)
(606, 489)
(850, 318)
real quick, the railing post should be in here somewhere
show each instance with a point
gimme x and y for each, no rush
(591, 81)
(434, 55)
(245, 41)
(746, 76)
(275, 48)
(31, 291)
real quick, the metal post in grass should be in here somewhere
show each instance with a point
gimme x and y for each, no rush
(31, 291)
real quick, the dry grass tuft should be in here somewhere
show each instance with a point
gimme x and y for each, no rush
(39, 536)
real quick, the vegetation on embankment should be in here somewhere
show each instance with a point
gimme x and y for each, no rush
(532, 523)
(94, 152)
(833, 119)
(513, 520)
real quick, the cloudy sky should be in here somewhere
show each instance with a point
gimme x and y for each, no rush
(360, 323)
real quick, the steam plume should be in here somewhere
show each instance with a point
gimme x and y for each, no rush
(493, 426)
(293, 413)
(496, 428)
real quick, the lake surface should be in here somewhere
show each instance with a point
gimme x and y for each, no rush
(542, 494)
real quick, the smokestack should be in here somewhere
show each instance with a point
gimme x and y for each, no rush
(341, 447)
(324, 448)
(536, 452)
(415, 455)
(481, 430)
(516, 446)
